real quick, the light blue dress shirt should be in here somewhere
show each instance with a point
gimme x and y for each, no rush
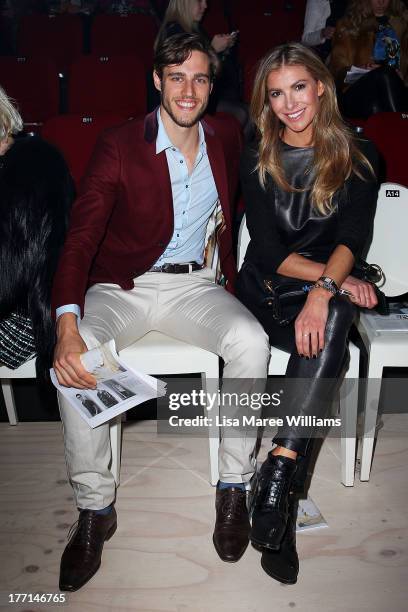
(194, 199)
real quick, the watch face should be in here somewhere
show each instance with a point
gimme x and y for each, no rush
(329, 284)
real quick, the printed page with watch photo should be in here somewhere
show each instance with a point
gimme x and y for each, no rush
(119, 387)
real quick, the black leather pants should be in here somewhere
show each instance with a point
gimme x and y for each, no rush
(380, 90)
(310, 384)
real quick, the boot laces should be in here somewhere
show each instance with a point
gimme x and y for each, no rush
(272, 493)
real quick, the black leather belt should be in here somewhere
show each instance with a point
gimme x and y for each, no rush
(178, 268)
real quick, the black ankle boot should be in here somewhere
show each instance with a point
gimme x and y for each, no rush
(283, 565)
(270, 513)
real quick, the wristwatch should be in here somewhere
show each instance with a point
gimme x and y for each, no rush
(325, 282)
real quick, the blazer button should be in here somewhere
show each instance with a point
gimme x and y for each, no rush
(160, 244)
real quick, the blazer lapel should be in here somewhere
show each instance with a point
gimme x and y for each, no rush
(158, 162)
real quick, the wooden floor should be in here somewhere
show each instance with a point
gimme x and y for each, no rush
(162, 558)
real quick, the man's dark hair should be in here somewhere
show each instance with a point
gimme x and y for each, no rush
(177, 49)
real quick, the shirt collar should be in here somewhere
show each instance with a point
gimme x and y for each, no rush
(163, 142)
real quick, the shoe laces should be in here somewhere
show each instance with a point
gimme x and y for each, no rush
(232, 503)
(80, 530)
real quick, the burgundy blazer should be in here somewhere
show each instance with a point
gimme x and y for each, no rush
(123, 218)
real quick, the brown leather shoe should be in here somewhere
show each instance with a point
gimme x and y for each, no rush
(81, 558)
(232, 527)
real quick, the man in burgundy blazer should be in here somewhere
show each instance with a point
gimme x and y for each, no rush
(116, 242)
(134, 261)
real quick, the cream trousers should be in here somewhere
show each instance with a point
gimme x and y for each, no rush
(189, 307)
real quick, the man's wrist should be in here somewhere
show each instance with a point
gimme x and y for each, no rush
(75, 308)
(66, 323)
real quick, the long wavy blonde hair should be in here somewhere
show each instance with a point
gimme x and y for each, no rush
(335, 154)
(179, 11)
(359, 15)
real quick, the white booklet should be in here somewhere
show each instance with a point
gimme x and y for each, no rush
(309, 516)
(119, 387)
(355, 73)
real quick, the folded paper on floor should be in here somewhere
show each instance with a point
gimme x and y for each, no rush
(309, 516)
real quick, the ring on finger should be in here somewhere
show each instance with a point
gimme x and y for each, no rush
(308, 334)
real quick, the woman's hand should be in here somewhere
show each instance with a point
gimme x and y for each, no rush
(328, 32)
(221, 42)
(369, 66)
(363, 293)
(310, 323)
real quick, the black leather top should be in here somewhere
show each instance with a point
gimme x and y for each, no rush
(283, 222)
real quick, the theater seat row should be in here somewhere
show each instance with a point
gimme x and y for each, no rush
(75, 135)
(95, 84)
(65, 37)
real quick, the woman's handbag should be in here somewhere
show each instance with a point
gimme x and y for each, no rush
(282, 295)
(16, 340)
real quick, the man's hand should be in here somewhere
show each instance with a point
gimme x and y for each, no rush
(310, 323)
(67, 363)
(363, 293)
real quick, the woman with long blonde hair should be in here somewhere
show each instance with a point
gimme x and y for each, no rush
(186, 16)
(373, 35)
(310, 194)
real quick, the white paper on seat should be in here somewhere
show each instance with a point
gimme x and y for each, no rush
(396, 321)
(355, 73)
(119, 387)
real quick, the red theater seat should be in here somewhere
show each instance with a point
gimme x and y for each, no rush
(59, 37)
(124, 35)
(105, 84)
(389, 132)
(75, 136)
(33, 82)
(214, 21)
(242, 8)
(269, 24)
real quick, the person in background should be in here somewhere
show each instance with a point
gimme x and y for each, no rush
(310, 192)
(321, 17)
(76, 7)
(373, 35)
(36, 194)
(186, 16)
(124, 7)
